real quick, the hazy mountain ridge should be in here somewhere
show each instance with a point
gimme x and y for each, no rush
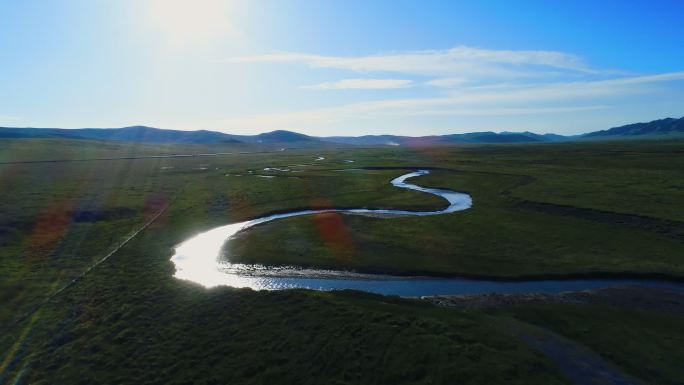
(143, 134)
(472, 137)
(667, 126)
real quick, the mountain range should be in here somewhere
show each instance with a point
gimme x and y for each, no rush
(668, 127)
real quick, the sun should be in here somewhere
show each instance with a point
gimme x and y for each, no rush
(192, 21)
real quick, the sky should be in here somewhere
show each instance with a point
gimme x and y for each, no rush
(341, 67)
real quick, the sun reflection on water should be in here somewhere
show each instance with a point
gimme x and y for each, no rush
(197, 259)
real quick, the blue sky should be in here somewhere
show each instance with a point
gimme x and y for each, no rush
(342, 67)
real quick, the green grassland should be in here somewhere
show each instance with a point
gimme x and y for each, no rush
(647, 344)
(538, 211)
(32, 150)
(128, 320)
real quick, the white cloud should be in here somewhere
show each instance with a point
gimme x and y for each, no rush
(463, 82)
(360, 84)
(505, 100)
(447, 82)
(462, 61)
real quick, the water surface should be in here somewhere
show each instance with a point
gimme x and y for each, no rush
(197, 259)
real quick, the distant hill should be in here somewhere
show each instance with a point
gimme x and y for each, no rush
(282, 136)
(658, 128)
(156, 135)
(143, 134)
(668, 126)
(493, 137)
(435, 140)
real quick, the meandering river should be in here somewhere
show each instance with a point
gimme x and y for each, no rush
(197, 260)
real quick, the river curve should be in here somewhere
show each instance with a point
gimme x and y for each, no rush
(197, 260)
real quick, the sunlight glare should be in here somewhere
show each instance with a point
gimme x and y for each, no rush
(192, 21)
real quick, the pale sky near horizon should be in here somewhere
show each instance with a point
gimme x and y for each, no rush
(341, 67)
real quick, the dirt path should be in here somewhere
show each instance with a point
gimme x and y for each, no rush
(112, 252)
(579, 364)
(78, 278)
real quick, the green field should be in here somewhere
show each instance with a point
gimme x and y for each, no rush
(539, 210)
(647, 344)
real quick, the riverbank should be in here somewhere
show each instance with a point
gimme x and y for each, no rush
(635, 296)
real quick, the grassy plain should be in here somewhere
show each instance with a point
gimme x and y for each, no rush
(646, 343)
(127, 320)
(546, 210)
